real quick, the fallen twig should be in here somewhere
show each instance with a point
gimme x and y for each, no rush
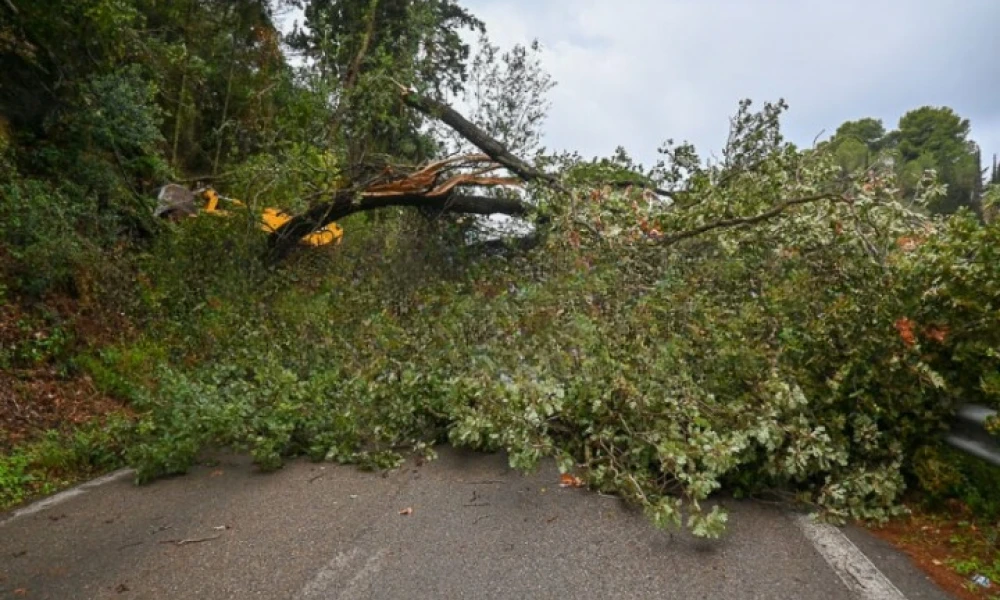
(192, 540)
(139, 543)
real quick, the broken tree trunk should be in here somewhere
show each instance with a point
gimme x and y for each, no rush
(476, 136)
(348, 202)
(436, 186)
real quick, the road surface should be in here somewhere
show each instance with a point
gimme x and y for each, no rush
(476, 530)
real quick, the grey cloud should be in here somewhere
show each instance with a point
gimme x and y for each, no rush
(634, 72)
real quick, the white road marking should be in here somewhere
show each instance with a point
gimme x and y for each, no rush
(372, 565)
(851, 565)
(328, 576)
(334, 581)
(47, 503)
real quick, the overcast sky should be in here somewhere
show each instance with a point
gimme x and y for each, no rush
(635, 72)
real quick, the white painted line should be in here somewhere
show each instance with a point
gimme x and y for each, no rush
(47, 503)
(851, 565)
(372, 566)
(329, 576)
(336, 581)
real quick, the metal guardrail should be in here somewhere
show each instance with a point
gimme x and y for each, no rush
(968, 433)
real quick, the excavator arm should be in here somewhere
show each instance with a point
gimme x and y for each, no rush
(271, 218)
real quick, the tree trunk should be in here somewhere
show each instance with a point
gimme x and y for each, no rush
(348, 202)
(354, 71)
(225, 105)
(178, 116)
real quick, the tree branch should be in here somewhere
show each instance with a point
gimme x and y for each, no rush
(475, 135)
(742, 221)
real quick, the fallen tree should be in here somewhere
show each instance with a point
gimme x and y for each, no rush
(437, 186)
(766, 324)
(783, 330)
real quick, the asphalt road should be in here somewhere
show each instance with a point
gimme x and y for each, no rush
(477, 530)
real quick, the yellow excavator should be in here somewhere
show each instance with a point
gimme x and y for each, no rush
(175, 201)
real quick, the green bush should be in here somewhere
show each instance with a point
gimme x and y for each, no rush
(15, 479)
(40, 238)
(944, 473)
(59, 459)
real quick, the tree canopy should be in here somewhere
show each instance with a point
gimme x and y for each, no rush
(926, 139)
(868, 131)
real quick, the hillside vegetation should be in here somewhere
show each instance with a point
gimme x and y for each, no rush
(799, 323)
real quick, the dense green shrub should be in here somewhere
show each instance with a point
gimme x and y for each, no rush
(58, 459)
(944, 473)
(40, 238)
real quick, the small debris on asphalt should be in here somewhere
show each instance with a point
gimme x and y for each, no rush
(121, 588)
(192, 540)
(475, 500)
(570, 480)
(19, 553)
(406, 511)
(354, 496)
(221, 528)
(130, 545)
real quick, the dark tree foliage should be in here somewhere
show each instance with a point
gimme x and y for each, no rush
(210, 63)
(348, 38)
(868, 131)
(361, 46)
(927, 139)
